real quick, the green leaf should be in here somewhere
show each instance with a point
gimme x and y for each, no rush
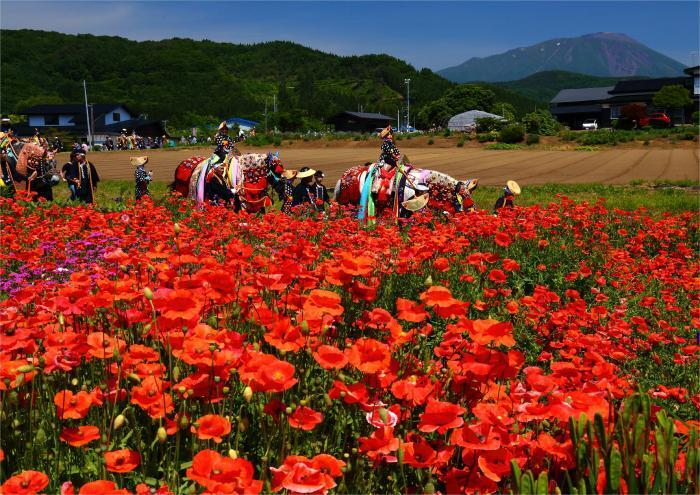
(600, 432)
(615, 471)
(542, 487)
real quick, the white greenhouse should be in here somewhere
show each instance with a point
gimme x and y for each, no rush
(466, 121)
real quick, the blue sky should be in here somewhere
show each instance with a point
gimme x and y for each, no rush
(425, 34)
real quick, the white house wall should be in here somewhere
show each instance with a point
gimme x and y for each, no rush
(123, 115)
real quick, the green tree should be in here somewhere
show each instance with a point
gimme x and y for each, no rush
(672, 97)
(541, 122)
(504, 109)
(454, 101)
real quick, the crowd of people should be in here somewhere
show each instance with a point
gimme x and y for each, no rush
(82, 178)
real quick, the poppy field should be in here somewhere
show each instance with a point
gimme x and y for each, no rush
(164, 349)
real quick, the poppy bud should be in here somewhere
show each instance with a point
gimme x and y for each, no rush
(247, 393)
(327, 399)
(303, 402)
(162, 435)
(19, 380)
(148, 293)
(225, 390)
(217, 379)
(74, 382)
(399, 455)
(243, 425)
(288, 410)
(124, 268)
(383, 414)
(119, 421)
(256, 346)
(61, 319)
(428, 281)
(15, 423)
(212, 321)
(232, 454)
(176, 373)
(429, 488)
(26, 368)
(183, 422)
(40, 436)
(176, 227)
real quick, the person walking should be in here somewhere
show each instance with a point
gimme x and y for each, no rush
(506, 200)
(320, 191)
(287, 190)
(84, 175)
(66, 174)
(141, 177)
(304, 192)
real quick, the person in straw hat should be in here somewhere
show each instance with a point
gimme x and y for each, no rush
(304, 191)
(511, 190)
(287, 192)
(463, 196)
(143, 178)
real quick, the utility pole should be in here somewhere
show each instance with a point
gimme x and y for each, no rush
(92, 126)
(87, 114)
(265, 115)
(274, 103)
(408, 102)
(398, 119)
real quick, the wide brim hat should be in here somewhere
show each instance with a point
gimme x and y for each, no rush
(305, 172)
(513, 187)
(289, 173)
(417, 203)
(138, 160)
(223, 125)
(387, 131)
(471, 184)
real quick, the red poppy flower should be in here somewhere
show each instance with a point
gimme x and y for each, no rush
(211, 426)
(497, 276)
(82, 435)
(25, 483)
(329, 357)
(72, 406)
(503, 239)
(103, 487)
(103, 346)
(380, 444)
(489, 331)
(369, 355)
(277, 376)
(179, 304)
(223, 474)
(122, 461)
(305, 418)
(441, 416)
(410, 311)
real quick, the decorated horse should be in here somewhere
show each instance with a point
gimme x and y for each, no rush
(404, 189)
(248, 177)
(28, 163)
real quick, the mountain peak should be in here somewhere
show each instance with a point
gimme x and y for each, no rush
(611, 37)
(597, 54)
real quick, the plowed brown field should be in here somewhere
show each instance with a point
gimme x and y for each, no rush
(615, 166)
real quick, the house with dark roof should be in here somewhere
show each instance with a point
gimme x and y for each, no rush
(642, 92)
(359, 121)
(107, 119)
(572, 106)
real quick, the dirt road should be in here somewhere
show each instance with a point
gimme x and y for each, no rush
(616, 166)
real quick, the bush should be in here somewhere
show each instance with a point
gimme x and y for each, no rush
(541, 122)
(512, 134)
(568, 136)
(488, 124)
(447, 133)
(430, 141)
(695, 118)
(533, 139)
(460, 143)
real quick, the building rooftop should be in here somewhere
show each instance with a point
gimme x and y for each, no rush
(582, 94)
(647, 85)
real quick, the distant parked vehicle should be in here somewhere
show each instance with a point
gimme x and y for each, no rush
(590, 124)
(657, 119)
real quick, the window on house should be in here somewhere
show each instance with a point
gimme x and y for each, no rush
(116, 116)
(50, 119)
